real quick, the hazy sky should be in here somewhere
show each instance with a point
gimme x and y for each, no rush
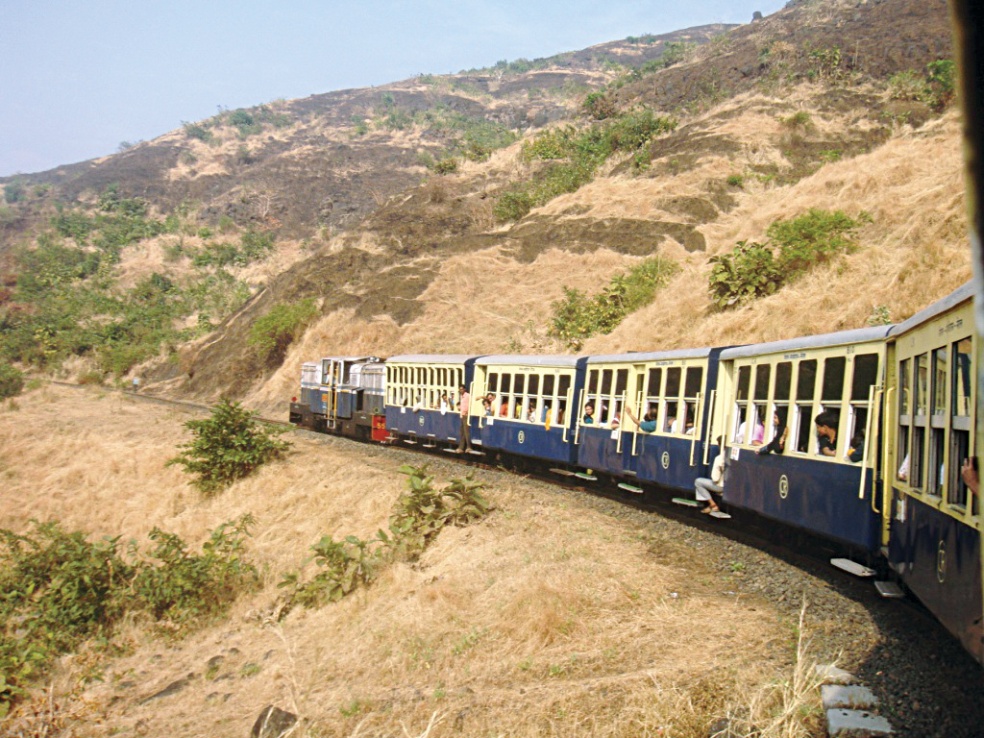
(78, 77)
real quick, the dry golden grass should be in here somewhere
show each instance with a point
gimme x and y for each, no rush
(546, 618)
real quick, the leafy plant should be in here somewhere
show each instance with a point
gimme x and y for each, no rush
(227, 446)
(574, 155)
(418, 517)
(577, 316)
(60, 589)
(270, 335)
(796, 245)
(182, 587)
(11, 381)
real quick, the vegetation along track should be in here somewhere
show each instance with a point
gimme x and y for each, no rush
(926, 684)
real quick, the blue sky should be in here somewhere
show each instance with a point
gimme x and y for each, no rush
(81, 76)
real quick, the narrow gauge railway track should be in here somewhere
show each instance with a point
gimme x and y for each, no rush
(910, 643)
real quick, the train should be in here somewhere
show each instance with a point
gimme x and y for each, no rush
(860, 437)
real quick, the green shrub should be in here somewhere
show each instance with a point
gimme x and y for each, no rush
(11, 381)
(941, 80)
(748, 272)
(599, 105)
(198, 131)
(796, 245)
(271, 335)
(419, 515)
(448, 165)
(182, 587)
(906, 85)
(577, 317)
(512, 205)
(14, 192)
(800, 119)
(227, 446)
(574, 156)
(60, 589)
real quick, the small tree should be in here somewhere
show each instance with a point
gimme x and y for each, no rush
(11, 381)
(228, 446)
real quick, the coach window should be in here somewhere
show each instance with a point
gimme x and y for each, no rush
(534, 403)
(917, 451)
(492, 388)
(654, 389)
(563, 392)
(618, 400)
(505, 401)
(905, 419)
(832, 390)
(672, 422)
(691, 389)
(960, 388)
(549, 398)
(603, 410)
(938, 412)
(741, 402)
(591, 397)
(519, 384)
(760, 416)
(784, 383)
(864, 377)
(806, 384)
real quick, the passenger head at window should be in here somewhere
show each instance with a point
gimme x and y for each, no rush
(780, 431)
(826, 423)
(856, 452)
(588, 418)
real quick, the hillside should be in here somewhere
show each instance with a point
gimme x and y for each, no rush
(384, 206)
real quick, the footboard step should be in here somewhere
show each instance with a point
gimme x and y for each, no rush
(430, 445)
(586, 477)
(686, 502)
(720, 515)
(563, 472)
(630, 488)
(473, 452)
(889, 590)
(852, 567)
(410, 441)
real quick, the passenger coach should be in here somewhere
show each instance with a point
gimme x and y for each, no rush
(841, 374)
(672, 387)
(422, 398)
(530, 399)
(935, 544)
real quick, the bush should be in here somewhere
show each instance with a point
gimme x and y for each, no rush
(11, 381)
(575, 155)
(420, 514)
(183, 587)
(60, 588)
(796, 245)
(577, 317)
(748, 272)
(271, 335)
(227, 446)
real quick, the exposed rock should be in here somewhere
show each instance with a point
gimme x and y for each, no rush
(273, 723)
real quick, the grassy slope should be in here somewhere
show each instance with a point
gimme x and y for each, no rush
(547, 618)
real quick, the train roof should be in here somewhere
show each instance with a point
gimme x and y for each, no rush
(432, 358)
(527, 360)
(350, 359)
(637, 356)
(959, 295)
(840, 338)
